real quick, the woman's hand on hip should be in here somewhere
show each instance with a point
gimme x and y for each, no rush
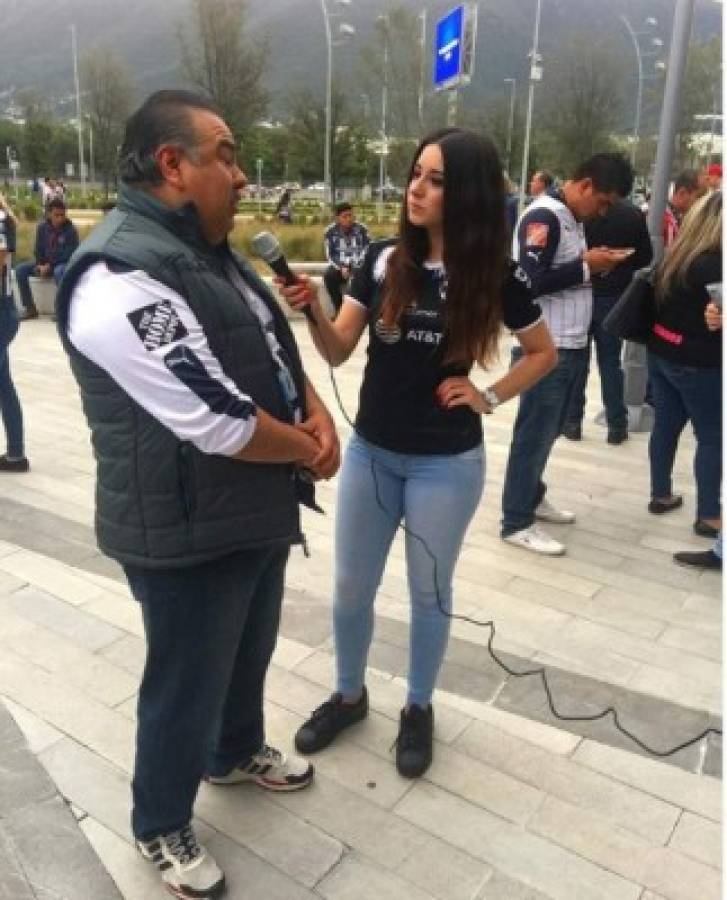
(459, 391)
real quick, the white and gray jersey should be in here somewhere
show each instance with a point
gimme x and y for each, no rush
(146, 337)
(549, 244)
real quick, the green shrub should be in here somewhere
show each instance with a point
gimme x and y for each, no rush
(31, 211)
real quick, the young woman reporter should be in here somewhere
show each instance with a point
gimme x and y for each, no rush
(434, 301)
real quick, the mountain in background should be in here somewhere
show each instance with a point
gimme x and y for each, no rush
(35, 46)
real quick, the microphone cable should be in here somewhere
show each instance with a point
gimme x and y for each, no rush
(540, 671)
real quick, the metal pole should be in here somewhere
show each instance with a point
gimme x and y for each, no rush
(534, 61)
(639, 90)
(384, 104)
(259, 165)
(635, 376)
(422, 67)
(329, 91)
(452, 107)
(91, 162)
(510, 122)
(78, 110)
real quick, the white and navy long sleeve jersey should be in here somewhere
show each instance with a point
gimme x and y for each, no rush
(346, 248)
(146, 337)
(549, 244)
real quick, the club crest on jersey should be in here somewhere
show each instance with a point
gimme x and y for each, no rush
(536, 234)
(157, 325)
(387, 334)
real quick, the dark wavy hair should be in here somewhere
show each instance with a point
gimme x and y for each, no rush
(475, 247)
(163, 118)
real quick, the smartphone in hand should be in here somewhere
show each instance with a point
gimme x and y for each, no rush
(714, 291)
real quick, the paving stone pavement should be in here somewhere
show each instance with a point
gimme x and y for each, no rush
(516, 805)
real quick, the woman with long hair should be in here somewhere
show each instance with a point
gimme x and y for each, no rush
(434, 301)
(685, 364)
(14, 459)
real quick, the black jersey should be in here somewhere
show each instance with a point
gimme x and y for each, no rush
(398, 407)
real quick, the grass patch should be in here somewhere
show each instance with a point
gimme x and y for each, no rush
(300, 243)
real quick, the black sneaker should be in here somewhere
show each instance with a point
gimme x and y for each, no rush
(329, 720)
(186, 868)
(698, 559)
(414, 743)
(14, 465)
(617, 435)
(572, 431)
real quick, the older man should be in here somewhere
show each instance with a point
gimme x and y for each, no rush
(203, 422)
(541, 183)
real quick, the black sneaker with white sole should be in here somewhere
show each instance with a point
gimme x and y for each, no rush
(329, 720)
(270, 769)
(187, 869)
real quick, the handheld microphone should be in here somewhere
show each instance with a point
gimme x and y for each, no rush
(267, 247)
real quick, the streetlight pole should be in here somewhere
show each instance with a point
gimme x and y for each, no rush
(634, 359)
(78, 109)
(91, 159)
(345, 30)
(634, 35)
(384, 106)
(422, 67)
(536, 73)
(259, 167)
(510, 122)
(329, 103)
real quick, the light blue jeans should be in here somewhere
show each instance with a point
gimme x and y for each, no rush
(436, 497)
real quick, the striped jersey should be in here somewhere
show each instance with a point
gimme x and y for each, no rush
(549, 244)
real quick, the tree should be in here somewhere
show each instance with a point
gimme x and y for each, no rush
(109, 91)
(399, 30)
(306, 134)
(37, 135)
(11, 135)
(493, 120)
(581, 102)
(701, 95)
(221, 61)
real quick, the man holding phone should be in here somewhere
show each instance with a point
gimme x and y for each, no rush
(624, 231)
(549, 244)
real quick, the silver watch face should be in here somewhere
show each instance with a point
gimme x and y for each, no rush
(492, 399)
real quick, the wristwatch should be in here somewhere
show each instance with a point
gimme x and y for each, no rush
(491, 399)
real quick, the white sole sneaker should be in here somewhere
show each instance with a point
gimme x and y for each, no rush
(186, 868)
(272, 770)
(546, 512)
(535, 540)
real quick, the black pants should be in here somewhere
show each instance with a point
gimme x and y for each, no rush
(335, 284)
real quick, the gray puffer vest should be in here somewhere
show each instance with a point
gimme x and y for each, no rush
(160, 502)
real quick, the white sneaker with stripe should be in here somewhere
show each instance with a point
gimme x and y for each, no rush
(272, 770)
(186, 868)
(536, 540)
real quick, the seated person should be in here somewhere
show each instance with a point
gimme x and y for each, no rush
(345, 242)
(55, 240)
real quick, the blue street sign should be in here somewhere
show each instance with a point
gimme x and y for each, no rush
(448, 48)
